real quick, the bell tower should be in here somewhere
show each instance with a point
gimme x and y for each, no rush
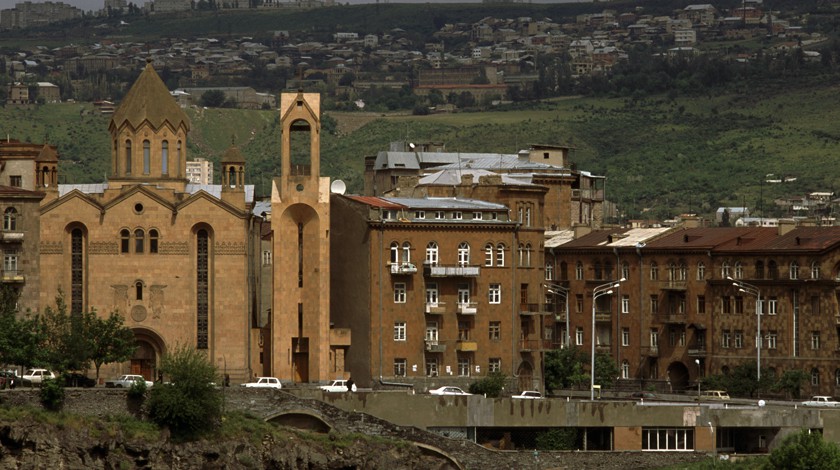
(300, 220)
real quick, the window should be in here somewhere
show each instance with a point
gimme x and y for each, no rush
(488, 254)
(419, 214)
(478, 215)
(739, 270)
(153, 241)
(406, 253)
(654, 271)
(164, 157)
(579, 271)
(579, 336)
(772, 306)
(399, 293)
(682, 337)
(701, 271)
(495, 294)
(432, 254)
(458, 215)
(463, 365)
(139, 241)
(203, 287)
(759, 269)
(625, 369)
(432, 296)
(654, 304)
(672, 338)
(399, 367)
(739, 339)
(815, 270)
(527, 255)
(463, 294)
(725, 270)
(682, 274)
(128, 157)
(815, 377)
(395, 252)
(495, 330)
(500, 254)
(10, 219)
(527, 216)
(399, 331)
(431, 331)
(266, 257)
(521, 253)
(771, 340)
(625, 337)
(667, 439)
(431, 366)
(549, 271)
(125, 240)
(815, 305)
(672, 272)
(625, 271)
(724, 343)
(654, 338)
(815, 340)
(147, 157)
(440, 215)
(15, 181)
(794, 270)
(739, 304)
(625, 304)
(495, 364)
(578, 303)
(773, 270)
(463, 254)
(701, 304)
(726, 305)
(10, 263)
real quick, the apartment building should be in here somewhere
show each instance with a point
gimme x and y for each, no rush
(200, 171)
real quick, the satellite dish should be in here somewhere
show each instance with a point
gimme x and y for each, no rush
(338, 187)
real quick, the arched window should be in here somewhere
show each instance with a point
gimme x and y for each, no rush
(489, 249)
(625, 270)
(597, 267)
(125, 240)
(139, 241)
(77, 275)
(147, 157)
(178, 158)
(772, 270)
(232, 177)
(725, 270)
(164, 157)
(579, 271)
(815, 270)
(395, 252)
(153, 241)
(625, 369)
(654, 271)
(794, 270)
(564, 271)
(549, 271)
(701, 271)
(202, 288)
(672, 271)
(527, 254)
(432, 253)
(521, 253)
(138, 290)
(463, 254)
(683, 273)
(128, 157)
(739, 270)
(10, 219)
(759, 269)
(406, 252)
(500, 254)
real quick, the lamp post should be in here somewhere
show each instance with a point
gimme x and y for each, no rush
(753, 290)
(697, 361)
(563, 292)
(598, 291)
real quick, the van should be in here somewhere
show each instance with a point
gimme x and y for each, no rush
(714, 395)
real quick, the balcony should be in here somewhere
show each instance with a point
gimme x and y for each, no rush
(403, 268)
(340, 337)
(467, 308)
(673, 285)
(698, 352)
(466, 346)
(526, 345)
(13, 275)
(452, 271)
(650, 351)
(603, 315)
(602, 348)
(435, 308)
(560, 316)
(435, 346)
(11, 236)
(536, 309)
(593, 194)
(673, 318)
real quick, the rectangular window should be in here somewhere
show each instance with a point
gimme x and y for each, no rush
(668, 439)
(739, 305)
(478, 215)
(682, 338)
(739, 339)
(399, 331)
(701, 304)
(439, 215)
(419, 214)
(815, 340)
(815, 304)
(399, 367)
(463, 294)
(725, 304)
(495, 294)
(579, 336)
(10, 264)
(578, 303)
(399, 293)
(772, 337)
(457, 215)
(463, 365)
(724, 340)
(495, 331)
(625, 336)
(495, 364)
(266, 257)
(654, 305)
(625, 304)
(431, 366)
(15, 181)
(464, 328)
(431, 331)
(772, 306)
(654, 338)
(432, 296)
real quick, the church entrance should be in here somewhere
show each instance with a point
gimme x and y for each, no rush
(145, 359)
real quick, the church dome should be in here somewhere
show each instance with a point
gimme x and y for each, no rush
(149, 100)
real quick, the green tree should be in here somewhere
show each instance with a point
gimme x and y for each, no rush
(806, 450)
(20, 335)
(109, 340)
(213, 98)
(791, 382)
(490, 386)
(564, 368)
(606, 370)
(189, 404)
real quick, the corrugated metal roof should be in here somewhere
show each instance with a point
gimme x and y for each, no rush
(91, 188)
(495, 161)
(555, 238)
(374, 201)
(445, 203)
(214, 190)
(453, 177)
(629, 237)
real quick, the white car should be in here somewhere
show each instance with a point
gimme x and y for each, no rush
(127, 380)
(337, 386)
(448, 391)
(821, 400)
(37, 376)
(529, 395)
(264, 382)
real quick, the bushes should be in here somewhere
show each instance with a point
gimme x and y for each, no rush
(52, 395)
(558, 439)
(490, 386)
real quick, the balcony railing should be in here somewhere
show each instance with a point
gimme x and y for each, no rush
(436, 308)
(697, 352)
(536, 309)
(467, 308)
(466, 346)
(11, 236)
(673, 285)
(604, 348)
(452, 271)
(673, 318)
(603, 315)
(650, 351)
(435, 346)
(597, 194)
(403, 268)
(535, 344)
(13, 275)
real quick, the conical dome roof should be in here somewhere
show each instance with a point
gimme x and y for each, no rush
(149, 100)
(233, 155)
(47, 154)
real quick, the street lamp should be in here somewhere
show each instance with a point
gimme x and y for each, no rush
(563, 292)
(753, 290)
(697, 361)
(598, 291)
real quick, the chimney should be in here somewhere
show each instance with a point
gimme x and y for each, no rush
(786, 225)
(581, 230)
(467, 179)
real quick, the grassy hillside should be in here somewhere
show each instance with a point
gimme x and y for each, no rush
(661, 157)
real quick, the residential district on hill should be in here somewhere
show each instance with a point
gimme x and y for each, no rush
(447, 268)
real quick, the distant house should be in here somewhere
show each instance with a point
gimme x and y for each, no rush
(734, 213)
(18, 94)
(49, 92)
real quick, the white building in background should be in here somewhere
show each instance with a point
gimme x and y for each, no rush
(200, 171)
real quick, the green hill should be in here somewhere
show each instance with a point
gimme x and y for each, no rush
(661, 157)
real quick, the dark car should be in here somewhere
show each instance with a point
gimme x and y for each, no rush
(75, 379)
(8, 379)
(643, 396)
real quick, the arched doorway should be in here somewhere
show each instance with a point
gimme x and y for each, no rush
(678, 376)
(525, 373)
(150, 347)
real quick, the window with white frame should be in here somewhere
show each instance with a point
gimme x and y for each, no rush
(672, 271)
(495, 332)
(682, 274)
(527, 254)
(266, 257)
(488, 254)
(579, 271)
(549, 271)
(794, 270)
(725, 270)
(739, 270)
(500, 254)
(724, 340)
(668, 439)
(463, 365)
(654, 338)
(463, 294)
(625, 369)
(431, 366)
(701, 271)
(432, 294)
(579, 336)
(440, 215)
(495, 364)
(10, 263)
(399, 367)
(431, 331)
(463, 254)
(739, 339)
(521, 253)
(457, 215)
(625, 270)
(399, 293)
(772, 337)
(395, 252)
(419, 214)
(815, 340)
(625, 304)
(495, 294)
(520, 215)
(815, 270)
(478, 215)
(772, 306)
(625, 336)
(527, 216)
(432, 253)
(406, 252)
(399, 331)
(654, 271)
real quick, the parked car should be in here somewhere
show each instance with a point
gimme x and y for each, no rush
(529, 395)
(126, 381)
(264, 382)
(821, 400)
(714, 395)
(8, 379)
(76, 379)
(446, 390)
(337, 386)
(37, 376)
(643, 396)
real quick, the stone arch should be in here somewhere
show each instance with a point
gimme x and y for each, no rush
(678, 375)
(150, 347)
(525, 374)
(301, 419)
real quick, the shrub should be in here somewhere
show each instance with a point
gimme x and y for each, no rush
(137, 390)
(490, 386)
(803, 451)
(558, 439)
(52, 395)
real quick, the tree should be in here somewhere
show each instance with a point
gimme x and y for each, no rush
(805, 451)
(213, 98)
(564, 368)
(606, 371)
(189, 404)
(791, 382)
(20, 335)
(109, 340)
(490, 386)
